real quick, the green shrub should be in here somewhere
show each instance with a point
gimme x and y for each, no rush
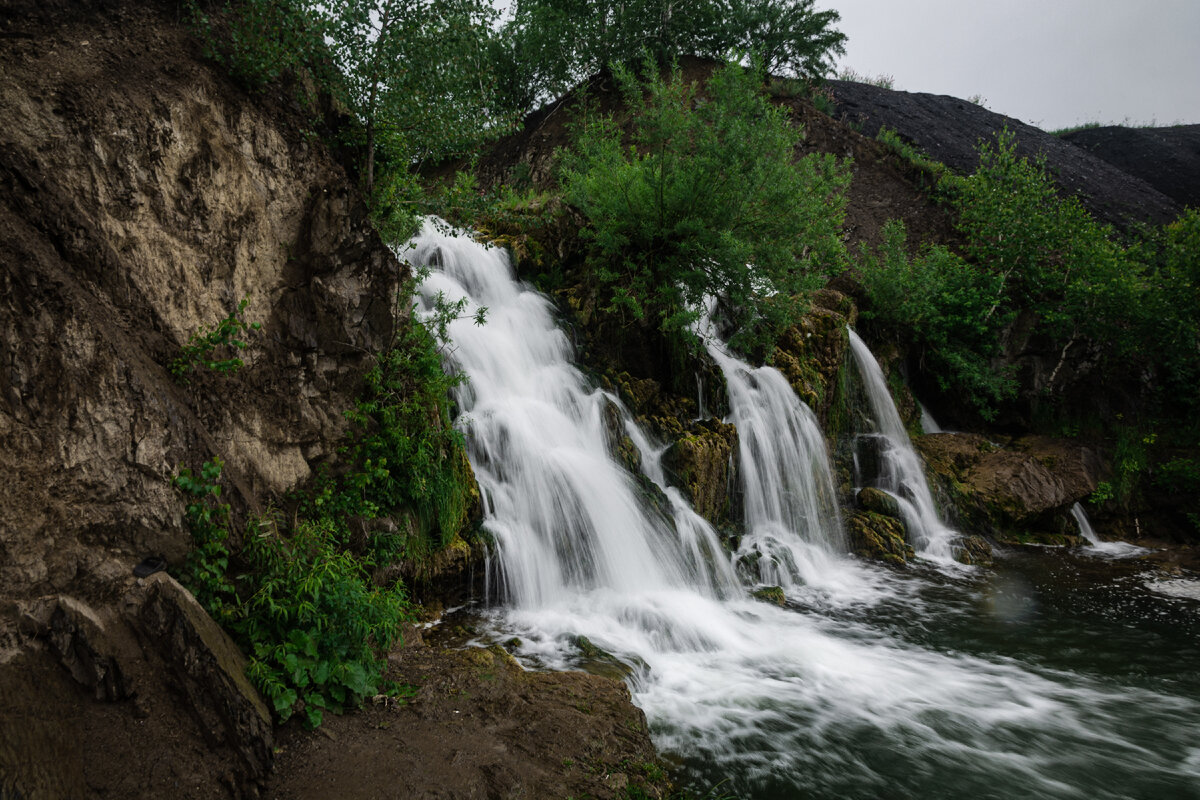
(946, 304)
(205, 572)
(202, 346)
(403, 451)
(301, 605)
(708, 198)
(313, 623)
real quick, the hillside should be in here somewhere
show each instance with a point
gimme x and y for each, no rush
(948, 128)
(1168, 159)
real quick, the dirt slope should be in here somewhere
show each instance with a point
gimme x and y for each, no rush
(1166, 158)
(948, 129)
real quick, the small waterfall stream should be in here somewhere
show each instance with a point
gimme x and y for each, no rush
(1096, 544)
(902, 475)
(869, 683)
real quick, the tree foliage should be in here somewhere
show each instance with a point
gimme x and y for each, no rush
(707, 199)
(416, 74)
(551, 45)
(1030, 251)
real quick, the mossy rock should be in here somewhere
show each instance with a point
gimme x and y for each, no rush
(700, 463)
(770, 594)
(598, 661)
(879, 538)
(878, 501)
(811, 353)
(973, 550)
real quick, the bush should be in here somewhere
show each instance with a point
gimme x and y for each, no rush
(1029, 250)
(202, 346)
(313, 622)
(946, 304)
(403, 451)
(708, 199)
(301, 605)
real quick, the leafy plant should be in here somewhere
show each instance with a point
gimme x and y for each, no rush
(403, 451)
(944, 302)
(1102, 494)
(208, 519)
(707, 199)
(202, 345)
(301, 605)
(313, 622)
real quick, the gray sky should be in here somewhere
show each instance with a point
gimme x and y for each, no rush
(1051, 63)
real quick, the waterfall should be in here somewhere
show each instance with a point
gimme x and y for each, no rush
(792, 522)
(928, 423)
(901, 473)
(567, 518)
(1096, 545)
(847, 691)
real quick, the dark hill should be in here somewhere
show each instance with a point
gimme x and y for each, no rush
(948, 129)
(1166, 158)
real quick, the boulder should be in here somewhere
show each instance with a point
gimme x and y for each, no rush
(973, 550)
(702, 463)
(1021, 491)
(770, 594)
(209, 670)
(879, 538)
(811, 353)
(87, 645)
(879, 501)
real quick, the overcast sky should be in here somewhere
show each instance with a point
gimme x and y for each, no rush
(1051, 63)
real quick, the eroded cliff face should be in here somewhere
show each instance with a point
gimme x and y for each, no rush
(142, 196)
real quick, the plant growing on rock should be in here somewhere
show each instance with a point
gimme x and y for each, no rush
(202, 346)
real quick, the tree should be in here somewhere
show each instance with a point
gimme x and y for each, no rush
(708, 200)
(416, 75)
(551, 45)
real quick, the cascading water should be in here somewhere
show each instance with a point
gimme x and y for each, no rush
(870, 683)
(793, 526)
(1098, 546)
(901, 473)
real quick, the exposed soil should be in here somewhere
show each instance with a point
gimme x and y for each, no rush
(948, 129)
(479, 727)
(1166, 158)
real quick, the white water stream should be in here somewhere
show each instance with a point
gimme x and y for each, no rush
(1097, 545)
(831, 696)
(902, 474)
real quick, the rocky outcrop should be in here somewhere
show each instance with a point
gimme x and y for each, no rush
(142, 198)
(812, 353)
(878, 537)
(703, 464)
(948, 129)
(1019, 492)
(149, 672)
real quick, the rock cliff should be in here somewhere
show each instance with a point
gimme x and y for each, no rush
(142, 197)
